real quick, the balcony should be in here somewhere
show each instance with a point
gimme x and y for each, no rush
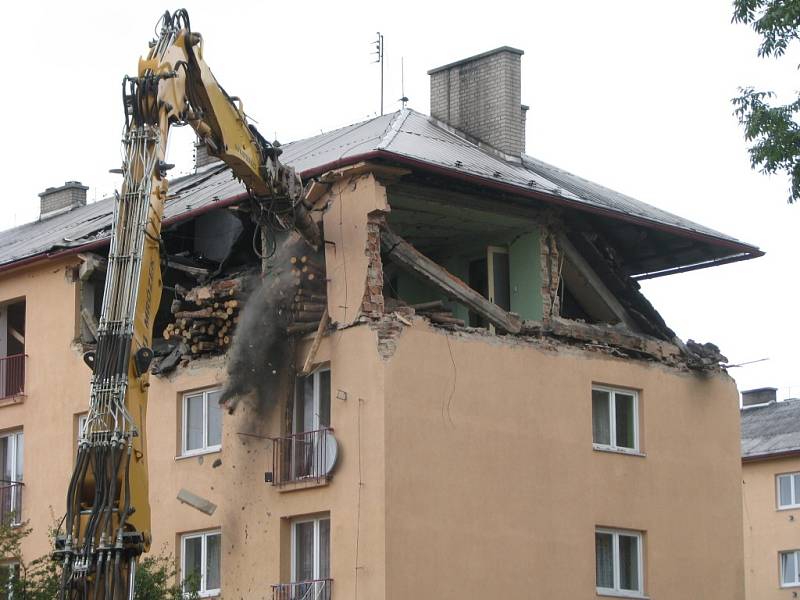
(303, 457)
(11, 503)
(12, 376)
(318, 589)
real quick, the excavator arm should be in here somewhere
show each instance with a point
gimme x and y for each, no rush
(107, 522)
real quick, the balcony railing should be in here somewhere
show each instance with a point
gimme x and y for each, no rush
(11, 502)
(12, 376)
(318, 589)
(300, 457)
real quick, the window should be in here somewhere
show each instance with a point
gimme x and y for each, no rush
(11, 459)
(12, 349)
(312, 408)
(790, 568)
(615, 419)
(200, 562)
(8, 573)
(491, 275)
(789, 490)
(81, 423)
(202, 422)
(311, 540)
(618, 560)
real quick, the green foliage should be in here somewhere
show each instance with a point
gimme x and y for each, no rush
(156, 577)
(39, 579)
(773, 131)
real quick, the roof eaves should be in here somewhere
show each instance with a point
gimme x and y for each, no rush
(746, 251)
(770, 455)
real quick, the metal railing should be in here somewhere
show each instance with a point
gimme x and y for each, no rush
(317, 589)
(300, 457)
(11, 502)
(12, 375)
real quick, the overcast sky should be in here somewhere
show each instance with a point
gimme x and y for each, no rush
(634, 95)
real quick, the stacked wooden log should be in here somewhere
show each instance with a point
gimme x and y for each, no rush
(437, 313)
(205, 316)
(310, 297)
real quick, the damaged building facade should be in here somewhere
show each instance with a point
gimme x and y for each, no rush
(461, 393)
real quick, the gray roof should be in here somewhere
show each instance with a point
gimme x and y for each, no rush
(405, 136)
(771, 429)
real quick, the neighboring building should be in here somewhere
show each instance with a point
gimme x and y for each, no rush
(556, 442)
(771, 494)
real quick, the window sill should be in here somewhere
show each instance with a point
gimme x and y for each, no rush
(11, 400)
(612, 450)
(610, 594)
(785, 508)
(198, 453)
(293, 486)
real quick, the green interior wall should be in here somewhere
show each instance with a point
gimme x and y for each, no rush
(525, 277)
(525, 265)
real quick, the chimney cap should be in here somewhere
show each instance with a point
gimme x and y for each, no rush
(476, 57)
(761, 389)
(67, 185)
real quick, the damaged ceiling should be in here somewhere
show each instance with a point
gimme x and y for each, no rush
(649, 240)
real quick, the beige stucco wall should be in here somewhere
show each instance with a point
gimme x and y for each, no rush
(767, 530)
(494, 489)
(252, 514)
(56, 388)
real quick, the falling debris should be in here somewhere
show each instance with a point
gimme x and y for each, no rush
(197, 502)
(290, 299)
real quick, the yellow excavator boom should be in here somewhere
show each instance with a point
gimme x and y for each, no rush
(107, 524)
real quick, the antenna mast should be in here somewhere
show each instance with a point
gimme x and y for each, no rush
(379, 59)
(403, 98)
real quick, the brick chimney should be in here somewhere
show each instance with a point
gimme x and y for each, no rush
(480, 96)
(758, 396)
(201, 155)
(58, 200)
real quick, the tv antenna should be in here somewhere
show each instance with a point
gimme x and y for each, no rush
(404, 98)
(379, 59)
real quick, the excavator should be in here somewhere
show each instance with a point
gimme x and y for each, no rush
(107, 524)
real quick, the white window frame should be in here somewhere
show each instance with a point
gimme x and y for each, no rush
(490, 252)
(316, 408)
(202, 592)
(15, 478)
(795, 493)
(82, 418)
(612, 412)
(205, 448)
(796, 582)
(616, 590)
(316, 521)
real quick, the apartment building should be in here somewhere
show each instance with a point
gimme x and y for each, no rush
(488, 407)
(771, 494)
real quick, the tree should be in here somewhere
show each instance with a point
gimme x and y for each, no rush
(773, 131)
(156, 576)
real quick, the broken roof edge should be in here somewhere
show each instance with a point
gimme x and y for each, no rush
(744, 251)
(103, 241)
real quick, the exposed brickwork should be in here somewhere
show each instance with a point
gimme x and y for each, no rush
(389, 329)
(72, 193)
(481, 97)
(372, 304)
(551, 273)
